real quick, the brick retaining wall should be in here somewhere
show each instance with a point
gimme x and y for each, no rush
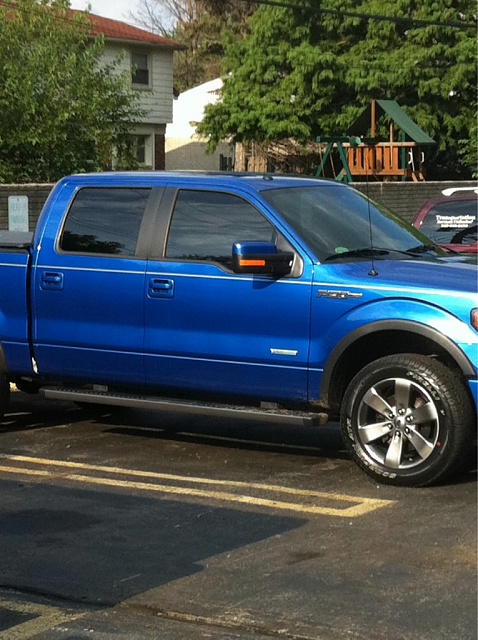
(36, 194)
(404, 198)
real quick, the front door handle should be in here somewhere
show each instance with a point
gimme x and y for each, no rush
(160, 288)
(51, 281)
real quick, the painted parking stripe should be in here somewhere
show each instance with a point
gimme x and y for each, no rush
(269, 496)
(44, 619)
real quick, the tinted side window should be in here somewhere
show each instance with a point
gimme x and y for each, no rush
(205, 224)
(104, 221)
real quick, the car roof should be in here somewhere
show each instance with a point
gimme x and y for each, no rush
(255, 181)
(450, 191)
(469, 197)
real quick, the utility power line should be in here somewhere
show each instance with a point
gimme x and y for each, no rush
(412, 22)
(363, 16)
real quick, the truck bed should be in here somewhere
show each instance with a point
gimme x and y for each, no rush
(14, 240)
(14, 311)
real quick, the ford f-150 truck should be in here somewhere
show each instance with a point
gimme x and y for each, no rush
(257, 296)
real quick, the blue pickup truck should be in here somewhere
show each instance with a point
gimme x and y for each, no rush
(269, 297)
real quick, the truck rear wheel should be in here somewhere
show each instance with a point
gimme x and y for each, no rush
(4, 393)
(408, 420)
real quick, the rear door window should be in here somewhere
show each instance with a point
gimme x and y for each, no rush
(104, 221)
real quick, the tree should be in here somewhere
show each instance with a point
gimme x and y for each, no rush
(429, 66)
(200, 25)
(308, 71)
(62, 110)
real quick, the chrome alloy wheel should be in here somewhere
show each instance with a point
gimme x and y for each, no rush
(398, 423)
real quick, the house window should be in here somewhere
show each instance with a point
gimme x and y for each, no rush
(140, 69)
(225, 163)
(140, 149)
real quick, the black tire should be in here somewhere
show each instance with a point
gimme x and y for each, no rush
(4, 394)
(27, 386)
(408, 420)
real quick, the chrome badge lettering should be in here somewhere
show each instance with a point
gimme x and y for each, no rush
(337, 295)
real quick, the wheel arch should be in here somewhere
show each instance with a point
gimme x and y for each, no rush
(383, 338)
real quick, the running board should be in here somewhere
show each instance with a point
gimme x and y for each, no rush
(278, 416)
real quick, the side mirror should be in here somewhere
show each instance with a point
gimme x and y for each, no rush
(261, 258)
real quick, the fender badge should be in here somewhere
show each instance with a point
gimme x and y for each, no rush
(338, 295)
(283, 352)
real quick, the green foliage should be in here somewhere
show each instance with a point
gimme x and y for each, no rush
(62, 111)
(303, 72)
(203, 37)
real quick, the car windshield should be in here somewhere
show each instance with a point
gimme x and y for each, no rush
(452, 222)
(339, 223)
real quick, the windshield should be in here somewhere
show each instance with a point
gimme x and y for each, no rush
(339, 223)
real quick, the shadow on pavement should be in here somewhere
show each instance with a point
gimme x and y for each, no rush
(103, 547)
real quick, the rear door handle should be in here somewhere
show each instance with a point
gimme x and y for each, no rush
(51, 280)
(160, 288)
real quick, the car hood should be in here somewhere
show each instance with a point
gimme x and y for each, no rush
(454, 274)
(461, 248)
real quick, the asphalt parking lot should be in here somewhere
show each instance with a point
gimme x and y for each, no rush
(136, 525)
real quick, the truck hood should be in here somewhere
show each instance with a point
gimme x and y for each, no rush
(453, 274)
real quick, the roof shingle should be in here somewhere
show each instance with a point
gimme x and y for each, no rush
(116, 30)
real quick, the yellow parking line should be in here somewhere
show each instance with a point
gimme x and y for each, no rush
(168, 476)
(45, 619)
(357, 505)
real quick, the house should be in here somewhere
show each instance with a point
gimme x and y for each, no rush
(185, 149)
(149, 59)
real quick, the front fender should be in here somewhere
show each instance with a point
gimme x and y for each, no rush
(451, 334)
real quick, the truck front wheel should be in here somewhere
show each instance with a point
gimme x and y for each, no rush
(408, 420)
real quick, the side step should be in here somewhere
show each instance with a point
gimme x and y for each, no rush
(153, 403)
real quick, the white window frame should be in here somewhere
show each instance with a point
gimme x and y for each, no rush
(148, 148)
(149, 69)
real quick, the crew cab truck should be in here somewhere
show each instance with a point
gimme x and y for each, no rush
(264, 296)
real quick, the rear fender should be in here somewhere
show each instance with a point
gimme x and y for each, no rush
(14, 311)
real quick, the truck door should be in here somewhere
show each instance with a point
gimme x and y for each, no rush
(212, 330)
(88, 287)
